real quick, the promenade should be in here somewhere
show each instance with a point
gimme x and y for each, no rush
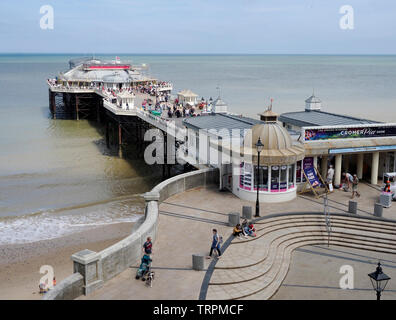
(185, 225)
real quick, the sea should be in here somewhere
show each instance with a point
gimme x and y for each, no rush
(58, 178)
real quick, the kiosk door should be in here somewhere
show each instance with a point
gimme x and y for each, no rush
(227, 177)
(390, 162)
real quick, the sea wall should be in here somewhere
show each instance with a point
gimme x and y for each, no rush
(69, 288)
(93, 269)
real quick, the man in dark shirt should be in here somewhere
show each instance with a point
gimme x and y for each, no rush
(148, 246)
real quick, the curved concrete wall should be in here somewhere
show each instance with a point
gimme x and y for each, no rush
(67, 289)
(92, 269)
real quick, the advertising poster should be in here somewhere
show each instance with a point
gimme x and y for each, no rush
(312, 177)
(349, 133)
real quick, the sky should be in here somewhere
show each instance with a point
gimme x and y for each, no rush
(199, 26)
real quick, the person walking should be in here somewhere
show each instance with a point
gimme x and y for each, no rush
(330, 175)
(348, 178)
(355, 182)
(148, 246)
(215, 244)
(329, 178)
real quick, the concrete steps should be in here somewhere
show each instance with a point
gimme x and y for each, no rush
(255, 268)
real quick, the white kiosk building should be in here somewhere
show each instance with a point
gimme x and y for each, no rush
(236, 136)
(126, 100)
(219, 106)
(187, 97)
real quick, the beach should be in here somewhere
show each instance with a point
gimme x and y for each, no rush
(20, 263)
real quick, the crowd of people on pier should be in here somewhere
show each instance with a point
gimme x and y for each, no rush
(180, 111)
(160, 92)
(53, 82)
(155, 89)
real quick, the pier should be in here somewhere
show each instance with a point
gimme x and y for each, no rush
(111, 94)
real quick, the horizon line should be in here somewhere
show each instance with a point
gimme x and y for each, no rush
(209, 54)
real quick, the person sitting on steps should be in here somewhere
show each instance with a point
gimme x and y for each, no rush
(238, 232)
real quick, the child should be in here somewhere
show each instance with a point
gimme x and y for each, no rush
(252, 230)
(245, 227)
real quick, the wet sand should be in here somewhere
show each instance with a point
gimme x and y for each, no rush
(20, 264)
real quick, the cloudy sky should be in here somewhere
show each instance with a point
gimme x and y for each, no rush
(199, 26)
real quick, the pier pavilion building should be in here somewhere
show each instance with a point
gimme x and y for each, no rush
(90, 72)
(230, 146)
(350, 144)
(292, 142)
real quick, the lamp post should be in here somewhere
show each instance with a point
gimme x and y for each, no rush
(379, 280)
(259, 147)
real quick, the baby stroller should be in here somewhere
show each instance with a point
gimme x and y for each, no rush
(345, 187)
(144, 267)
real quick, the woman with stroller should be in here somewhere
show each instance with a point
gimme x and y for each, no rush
(144, 267)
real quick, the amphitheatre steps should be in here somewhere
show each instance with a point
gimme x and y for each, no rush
(255, 268)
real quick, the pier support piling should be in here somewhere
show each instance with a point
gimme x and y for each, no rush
(77, 116)
(119, 140)
(107, 135)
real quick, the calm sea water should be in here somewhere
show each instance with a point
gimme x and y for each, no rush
(56, 176)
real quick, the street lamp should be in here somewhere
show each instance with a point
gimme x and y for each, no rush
(259, 147)
(379, 280)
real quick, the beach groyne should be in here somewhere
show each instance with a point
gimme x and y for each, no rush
(92, 269)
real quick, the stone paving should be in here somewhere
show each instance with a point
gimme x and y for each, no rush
(185, 225)
(323, 265)
(267, 257)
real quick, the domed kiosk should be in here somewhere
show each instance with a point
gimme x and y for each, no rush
(276, 175)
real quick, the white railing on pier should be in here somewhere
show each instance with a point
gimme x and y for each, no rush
(61, 88)
(165, 125)
(118, 110)
(164, 88)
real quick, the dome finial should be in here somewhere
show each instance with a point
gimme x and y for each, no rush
(269, 115)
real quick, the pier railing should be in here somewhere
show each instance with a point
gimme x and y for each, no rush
(118, 110)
